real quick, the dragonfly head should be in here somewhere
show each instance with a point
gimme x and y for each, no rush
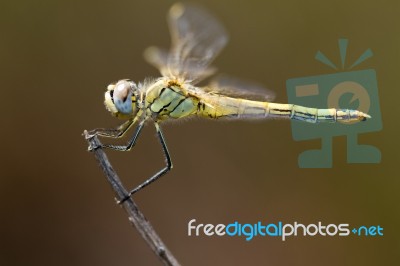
(121, 98)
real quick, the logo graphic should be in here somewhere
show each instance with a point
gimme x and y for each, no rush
(281, 230)
(342, 90)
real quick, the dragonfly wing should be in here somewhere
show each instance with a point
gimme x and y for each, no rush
(235, 87)
(196, 39)
(159, 58)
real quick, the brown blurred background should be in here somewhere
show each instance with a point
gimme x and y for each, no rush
(56, 58)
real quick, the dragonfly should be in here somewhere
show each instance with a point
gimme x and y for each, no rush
(196, 39)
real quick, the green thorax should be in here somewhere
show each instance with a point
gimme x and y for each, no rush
(169, 101)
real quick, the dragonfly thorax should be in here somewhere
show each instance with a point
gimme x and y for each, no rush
(121, 98)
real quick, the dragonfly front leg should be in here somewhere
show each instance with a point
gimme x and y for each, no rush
(162, 172)
(126, 147)
(111, 132)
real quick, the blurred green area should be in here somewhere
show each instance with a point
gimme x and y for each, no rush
(56, 59)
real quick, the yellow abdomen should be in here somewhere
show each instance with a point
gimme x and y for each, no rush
(219, 106)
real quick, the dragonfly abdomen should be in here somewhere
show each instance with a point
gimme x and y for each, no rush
(219, 106)
(314, 115)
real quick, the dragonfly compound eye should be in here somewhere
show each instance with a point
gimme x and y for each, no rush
(122, 95)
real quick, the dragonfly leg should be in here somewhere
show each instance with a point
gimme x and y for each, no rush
(126, 147)
(162, 172)
(111, 132)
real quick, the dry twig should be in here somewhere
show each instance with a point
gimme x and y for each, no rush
(136, 218)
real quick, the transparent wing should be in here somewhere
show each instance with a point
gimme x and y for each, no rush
(159, 58)
(196, 39)
(235, 87)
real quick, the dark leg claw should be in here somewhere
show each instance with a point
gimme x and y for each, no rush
(119, 202)
(93, 148)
